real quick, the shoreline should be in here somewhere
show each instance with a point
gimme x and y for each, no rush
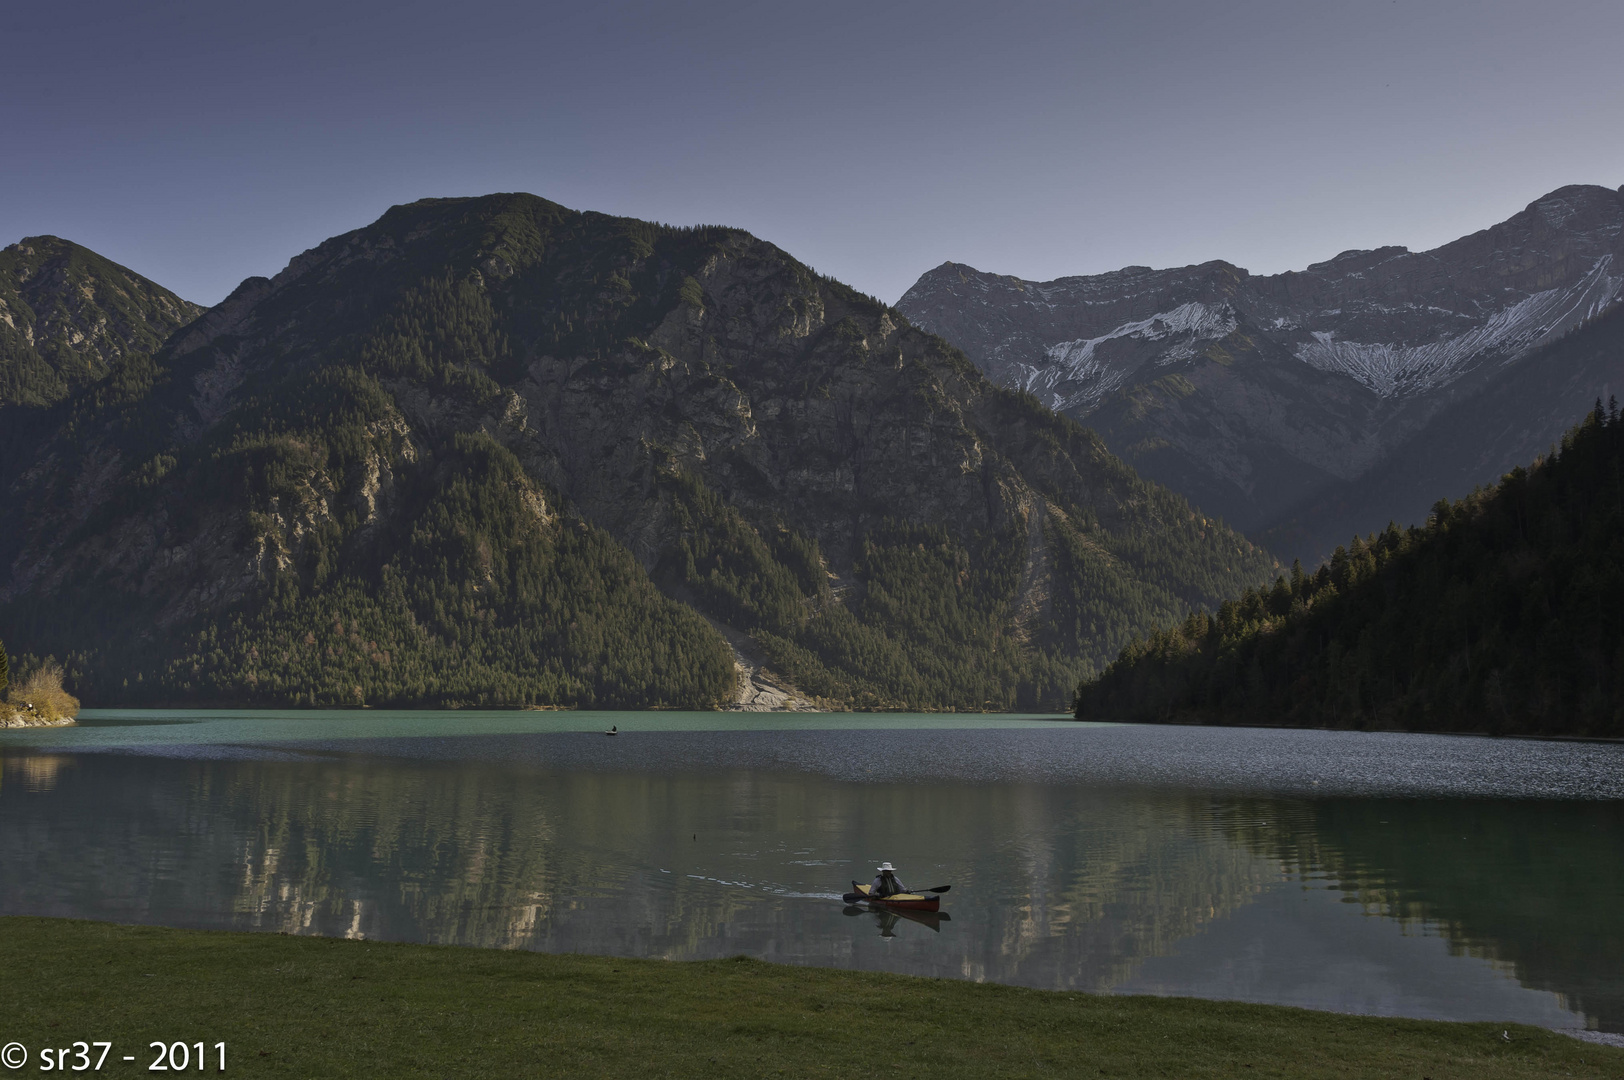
(1024, 715)
(17, 719)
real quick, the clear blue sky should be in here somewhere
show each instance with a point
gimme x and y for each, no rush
(199, 143)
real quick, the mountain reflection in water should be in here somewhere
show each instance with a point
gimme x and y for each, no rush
(1459, 907)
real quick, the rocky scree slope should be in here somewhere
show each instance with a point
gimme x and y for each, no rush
(1250, 394)
(1469, 442)
(497, 451)
(68, 317)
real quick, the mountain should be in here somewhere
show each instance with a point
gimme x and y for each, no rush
(495, 451)
(1256, 396)
(1516, 417)
(69, 316)
(1499, 615)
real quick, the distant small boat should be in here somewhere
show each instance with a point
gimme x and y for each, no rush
(614, 729)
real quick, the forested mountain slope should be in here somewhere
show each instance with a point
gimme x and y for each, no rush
(1501, 614)
(69, 316)
(496, 451)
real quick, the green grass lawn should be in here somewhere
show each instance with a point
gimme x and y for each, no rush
(319, 1007)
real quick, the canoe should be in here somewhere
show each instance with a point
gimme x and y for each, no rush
(900, 901)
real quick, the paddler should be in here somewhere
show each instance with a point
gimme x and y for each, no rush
(885, 883)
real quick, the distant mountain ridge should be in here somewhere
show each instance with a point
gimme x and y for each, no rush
(1252, 394)
(496, 451)
(1473, 440)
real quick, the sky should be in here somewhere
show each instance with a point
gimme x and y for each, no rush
(201, 143)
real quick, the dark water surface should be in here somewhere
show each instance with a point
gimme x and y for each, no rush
(1460, 878)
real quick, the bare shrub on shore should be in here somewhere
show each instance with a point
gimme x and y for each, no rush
(42, 689)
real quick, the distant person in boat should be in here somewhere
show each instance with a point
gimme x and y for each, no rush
(885, 883)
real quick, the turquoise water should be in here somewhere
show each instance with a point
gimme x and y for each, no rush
(1394, 874)
(150, 728)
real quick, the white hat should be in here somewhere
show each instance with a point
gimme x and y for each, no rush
(886, 866)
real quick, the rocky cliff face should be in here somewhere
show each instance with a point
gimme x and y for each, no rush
(69, 316)
(451, 456)
(1250, 395)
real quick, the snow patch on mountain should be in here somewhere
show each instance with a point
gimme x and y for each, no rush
(1200, 321)
(1073, 373)
(1084, 384)
(1393, 370)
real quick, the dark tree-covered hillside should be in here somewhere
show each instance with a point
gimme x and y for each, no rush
(1503, 614)
(68, 317)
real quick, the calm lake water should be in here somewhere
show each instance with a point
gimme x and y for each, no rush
(1458, 878)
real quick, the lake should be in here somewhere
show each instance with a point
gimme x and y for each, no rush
(1413, 875)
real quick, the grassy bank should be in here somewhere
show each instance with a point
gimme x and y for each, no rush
(288, 1006)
